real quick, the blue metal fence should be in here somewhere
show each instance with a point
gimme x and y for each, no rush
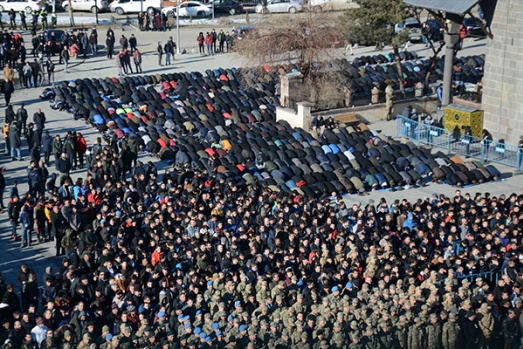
(458, 143)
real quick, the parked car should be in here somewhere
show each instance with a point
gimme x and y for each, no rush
(87, 5)
(188, 9)
(243, 30)
(414, 28)
(473, 29)
(20, 5)
(281, 6)
(134, 6)
(231, 7)
(330, 5)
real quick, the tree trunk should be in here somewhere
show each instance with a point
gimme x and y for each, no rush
(71, 17)
(400, 70)
(432, 64)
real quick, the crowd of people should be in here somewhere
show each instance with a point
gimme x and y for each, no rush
(191, 258)
(188, 259)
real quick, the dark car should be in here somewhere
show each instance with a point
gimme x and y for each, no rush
(435, 30)
(58, 35)
(473, 29)
(231, 7)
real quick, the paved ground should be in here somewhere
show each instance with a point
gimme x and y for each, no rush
(40, 256)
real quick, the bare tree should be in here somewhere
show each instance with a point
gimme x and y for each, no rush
(373, 22)
(306, 41)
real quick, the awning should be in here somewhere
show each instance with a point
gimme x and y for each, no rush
(457, 7)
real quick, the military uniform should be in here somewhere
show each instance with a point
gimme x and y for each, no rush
(416, 337)
(434, 335)
(451, 334)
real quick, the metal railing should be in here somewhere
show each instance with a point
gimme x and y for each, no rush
(490, 277)
(457, 143)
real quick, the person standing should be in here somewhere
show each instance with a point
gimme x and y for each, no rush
(119, 64)
(54, 19)
(137, 57)
(109, 43)
(486, 141)
(70, 149)
(13, 213)
(25, 220)
(50, 71)
(9, 88)
(21, 113)
(23, 22)
(214, 36)
(124, 42)
(511, 330)
(39, 121)
(15, 142)
(221, 40)
(12, 19)
(127, 62)
(228, 40)
(9, 72)
(201, 40)
(169, 50)
(92, 43)
(84, 44)
(28, 75)
(65, 58)
(47, 146)
(63, 165)
(208, 42)
(133, 43)
(159, 49)
(5, 131)
(389, 98)
(2, 188)
(57, 148)
(81, 148)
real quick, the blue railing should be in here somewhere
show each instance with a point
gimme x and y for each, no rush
(458, 143)
(491, 277)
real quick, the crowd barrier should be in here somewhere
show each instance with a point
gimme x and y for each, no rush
(457, 143)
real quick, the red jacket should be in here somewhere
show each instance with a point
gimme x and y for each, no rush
(81, 145)
(208, 39)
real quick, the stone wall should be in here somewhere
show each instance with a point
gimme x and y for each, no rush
(503, 80)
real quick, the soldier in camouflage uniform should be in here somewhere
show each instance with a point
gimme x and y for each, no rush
(416, 337)
(486, 324)
(451, 333)
(434, 333)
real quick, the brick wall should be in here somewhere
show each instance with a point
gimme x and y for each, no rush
(503, 80)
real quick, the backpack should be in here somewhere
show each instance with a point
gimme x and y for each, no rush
(67, 240)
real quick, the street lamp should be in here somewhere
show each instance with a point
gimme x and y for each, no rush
(178, 44)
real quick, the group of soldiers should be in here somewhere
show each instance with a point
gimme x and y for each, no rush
(36, 16)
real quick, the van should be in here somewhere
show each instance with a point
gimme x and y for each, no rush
(330, 5)
(87, 5)
(20, 5)
(129, 6)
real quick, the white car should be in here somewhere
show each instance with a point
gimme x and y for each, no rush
(188, 9)
(134, 6)
(414, 29)
(86, 5)
(281, 6)
(20, 5)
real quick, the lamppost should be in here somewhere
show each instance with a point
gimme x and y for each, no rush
(178, 44)
(141, 6)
